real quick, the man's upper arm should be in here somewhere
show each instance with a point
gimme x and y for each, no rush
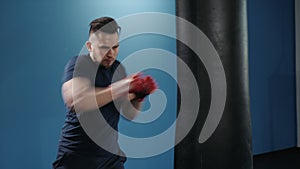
(73, 89)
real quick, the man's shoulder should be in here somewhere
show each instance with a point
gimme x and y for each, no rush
(72, 60)
(80, 65)
(82, 61)
(75, 58)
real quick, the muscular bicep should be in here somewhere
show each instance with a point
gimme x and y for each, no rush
(73, 89)
(80, 95)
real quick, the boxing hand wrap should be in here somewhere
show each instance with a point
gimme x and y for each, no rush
(137, 84)
(142, 86)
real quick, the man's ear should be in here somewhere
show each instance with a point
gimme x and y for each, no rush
(88, 45)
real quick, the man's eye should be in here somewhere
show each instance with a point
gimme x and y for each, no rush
(115, 47)
(104, 48)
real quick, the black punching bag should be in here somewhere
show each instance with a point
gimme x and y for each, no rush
(220, 137)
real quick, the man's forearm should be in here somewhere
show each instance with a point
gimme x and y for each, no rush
(92, 99)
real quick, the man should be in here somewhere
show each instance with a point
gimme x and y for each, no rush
(93, 84)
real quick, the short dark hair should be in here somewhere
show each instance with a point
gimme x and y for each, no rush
(104, 24)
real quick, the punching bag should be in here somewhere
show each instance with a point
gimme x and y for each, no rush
(220, 137)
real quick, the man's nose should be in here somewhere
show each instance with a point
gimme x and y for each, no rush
(110, 52)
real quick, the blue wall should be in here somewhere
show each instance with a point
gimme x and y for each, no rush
(272, 74)
(37, 39)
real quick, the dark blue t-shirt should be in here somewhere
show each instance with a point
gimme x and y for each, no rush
(74, 141)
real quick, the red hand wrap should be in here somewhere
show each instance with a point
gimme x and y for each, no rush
(142, 86)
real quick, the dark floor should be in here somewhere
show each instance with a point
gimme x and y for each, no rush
(283, 159)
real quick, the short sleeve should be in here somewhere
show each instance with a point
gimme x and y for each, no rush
(79, 66)
(68, 71)
(85, 67)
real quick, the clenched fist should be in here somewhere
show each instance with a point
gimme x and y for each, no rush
(142, 86)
